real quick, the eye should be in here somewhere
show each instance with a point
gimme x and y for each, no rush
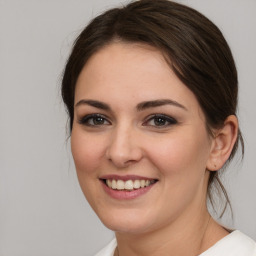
(160, 121)
(94, 120)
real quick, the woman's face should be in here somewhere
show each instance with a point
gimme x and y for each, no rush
(139, 140)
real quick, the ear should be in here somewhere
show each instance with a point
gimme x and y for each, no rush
(222, 143)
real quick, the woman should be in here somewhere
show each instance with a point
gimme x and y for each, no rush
(151, 91)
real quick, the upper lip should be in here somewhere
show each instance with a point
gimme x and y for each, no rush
(124, 177)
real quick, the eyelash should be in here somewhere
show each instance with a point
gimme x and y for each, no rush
(157, 117)
(160, 118)
(92, 117)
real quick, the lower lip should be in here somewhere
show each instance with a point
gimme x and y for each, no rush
(126, 195)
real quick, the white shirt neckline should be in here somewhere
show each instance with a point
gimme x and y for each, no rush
(234, 244)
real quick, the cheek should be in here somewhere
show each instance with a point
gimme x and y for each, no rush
(86, 152)
(182, 154)
(181, 162)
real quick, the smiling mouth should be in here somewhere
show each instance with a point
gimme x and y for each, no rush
(128, 185)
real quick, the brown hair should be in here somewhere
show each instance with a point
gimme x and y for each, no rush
(192, 45)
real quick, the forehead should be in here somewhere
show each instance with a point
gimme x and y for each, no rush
(120, 58)
(131, 72)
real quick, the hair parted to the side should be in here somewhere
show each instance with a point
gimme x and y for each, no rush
(193, 46)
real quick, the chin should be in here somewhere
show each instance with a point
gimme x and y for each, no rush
(127, 222)
(128, 228)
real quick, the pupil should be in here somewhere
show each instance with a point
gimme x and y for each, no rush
(98, 120)
(159, 121)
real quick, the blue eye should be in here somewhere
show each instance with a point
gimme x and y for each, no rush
(160, 121)
(94, 120)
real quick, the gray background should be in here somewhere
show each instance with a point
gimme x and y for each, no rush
(42, 210)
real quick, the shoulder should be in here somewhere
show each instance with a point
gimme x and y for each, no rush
(234, 244)
(108, 250)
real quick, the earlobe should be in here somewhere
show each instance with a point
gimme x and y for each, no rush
(222, 144)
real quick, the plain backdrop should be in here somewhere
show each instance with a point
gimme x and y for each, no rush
(42, 210)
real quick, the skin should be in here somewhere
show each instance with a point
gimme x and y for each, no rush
(129, 141)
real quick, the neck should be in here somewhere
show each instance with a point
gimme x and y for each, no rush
(181, 238)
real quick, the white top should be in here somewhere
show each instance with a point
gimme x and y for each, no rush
(234, 244)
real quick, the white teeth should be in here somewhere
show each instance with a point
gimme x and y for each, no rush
(109, 183)
(136, 184)
(128, 185)
(120, 184)
(113, 185)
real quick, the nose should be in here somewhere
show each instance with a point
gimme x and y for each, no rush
(124, 148)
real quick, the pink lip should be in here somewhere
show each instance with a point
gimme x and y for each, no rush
(124, 178)
(126, 195)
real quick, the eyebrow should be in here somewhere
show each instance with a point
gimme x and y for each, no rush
(94, 103)
(158, 103)
(140, 107)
